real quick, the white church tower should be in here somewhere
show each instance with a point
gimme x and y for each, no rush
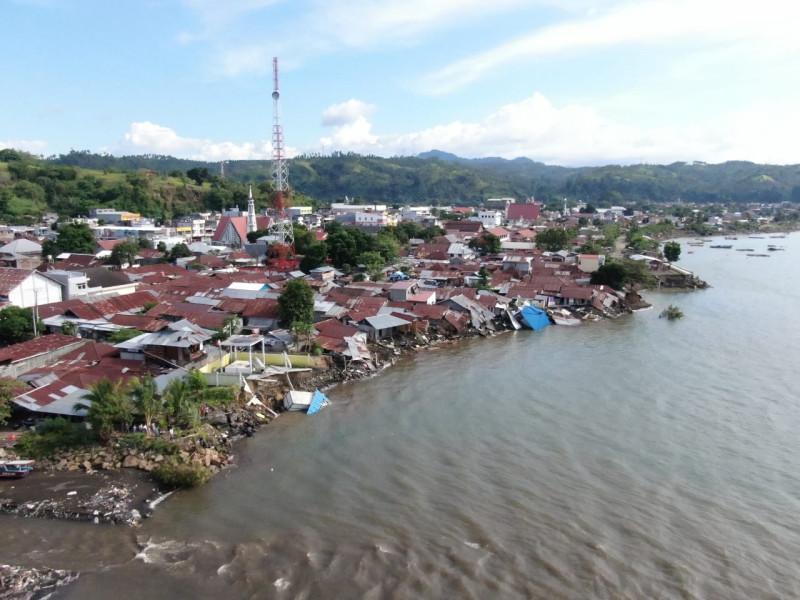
(251, 212)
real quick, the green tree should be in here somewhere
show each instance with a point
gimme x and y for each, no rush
(303, 238)
(487, 243)
(179, 251)
(68, 327)
(198, 175)
(302, 329)
(252, 236)
(296, 303)
(554, 240)
(672, 251)
(386, 246)
(77, 238)
(9, 389)
(315, 256)
(108, 407)
(124, 253)
(16, 325)
(373, 262)
(611, 274)
(144, 395)
(144, 242)
(342, 248)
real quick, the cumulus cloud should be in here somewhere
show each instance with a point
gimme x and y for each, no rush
(576, 134)
(147, 137)
(346, 113)
(32, 146)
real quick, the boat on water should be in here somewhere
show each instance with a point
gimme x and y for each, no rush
(775, 237)
(721, 246)
(15, 468)
(696, 243)
(775, 248)
(745, 250)
(561, 316)
(732, 237)
(756, 237)
(763, 255)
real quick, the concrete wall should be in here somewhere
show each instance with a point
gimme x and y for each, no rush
(23, 366)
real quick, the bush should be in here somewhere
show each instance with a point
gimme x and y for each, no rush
(179, 475)
(52, 435)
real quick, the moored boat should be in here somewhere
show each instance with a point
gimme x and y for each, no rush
(15, 468)
(721, 246)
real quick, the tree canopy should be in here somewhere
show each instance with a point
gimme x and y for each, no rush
(75, 238)
(672, 251)
(16, 325)
(296, 303)
(124, 253)
(555, 239)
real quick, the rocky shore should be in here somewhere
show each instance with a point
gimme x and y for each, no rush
(19, 583)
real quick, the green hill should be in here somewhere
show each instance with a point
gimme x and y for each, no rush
(165, 187)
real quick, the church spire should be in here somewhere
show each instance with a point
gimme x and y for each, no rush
(251, 212)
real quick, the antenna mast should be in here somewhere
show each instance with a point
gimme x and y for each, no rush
(281, 229)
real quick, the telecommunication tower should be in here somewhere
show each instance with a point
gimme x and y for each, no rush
(281, 231)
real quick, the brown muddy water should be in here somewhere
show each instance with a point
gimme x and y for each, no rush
(638, 458)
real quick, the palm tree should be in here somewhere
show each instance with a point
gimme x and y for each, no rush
(108, 408)
(144, 395)
(184, 397)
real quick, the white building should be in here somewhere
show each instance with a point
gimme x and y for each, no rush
(26, 288)
(490, 218)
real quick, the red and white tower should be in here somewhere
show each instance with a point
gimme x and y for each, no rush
(280, 228)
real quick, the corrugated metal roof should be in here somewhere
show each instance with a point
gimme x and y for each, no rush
(37, 346)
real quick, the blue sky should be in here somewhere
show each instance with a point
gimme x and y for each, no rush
(569, 82)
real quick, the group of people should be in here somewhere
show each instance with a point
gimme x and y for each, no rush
(142, 428)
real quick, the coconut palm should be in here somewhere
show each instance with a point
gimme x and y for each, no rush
(108, 407)
(144, 395)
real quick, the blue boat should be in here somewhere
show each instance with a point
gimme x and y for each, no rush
(15, 468)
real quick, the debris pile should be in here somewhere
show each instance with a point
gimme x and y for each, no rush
(21, 583)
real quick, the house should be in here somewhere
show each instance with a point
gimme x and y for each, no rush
(517, 262)
(177, 344)
(383, 326)
(401, 290)
(26, 288)
(589, 263)
(21, 253)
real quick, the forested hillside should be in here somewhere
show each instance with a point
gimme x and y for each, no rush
(165, 187)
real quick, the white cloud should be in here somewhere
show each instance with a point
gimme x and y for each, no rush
(696, 23)
(576, 135)
(32, 146)
(371, 23)
(346, 113)
(147, 137)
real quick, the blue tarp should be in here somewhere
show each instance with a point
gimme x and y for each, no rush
(318, 401)
(535, 318)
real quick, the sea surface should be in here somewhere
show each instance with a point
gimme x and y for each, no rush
(635, 458)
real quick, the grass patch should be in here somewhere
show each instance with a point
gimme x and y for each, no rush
(51, 436)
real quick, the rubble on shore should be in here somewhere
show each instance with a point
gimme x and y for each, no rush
(20, 583)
